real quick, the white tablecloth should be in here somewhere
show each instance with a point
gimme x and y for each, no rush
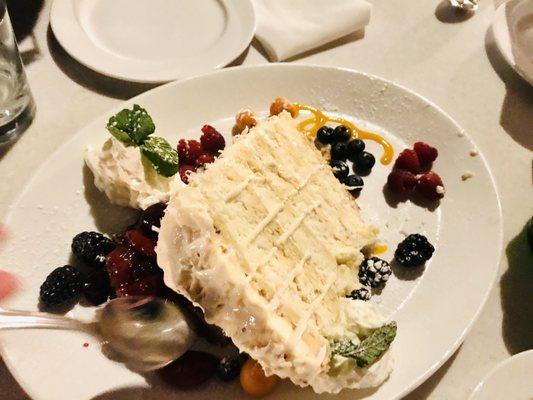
(415, 43)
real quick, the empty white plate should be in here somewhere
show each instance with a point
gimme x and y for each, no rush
(153, 41)
(510, 380)
(513, 33)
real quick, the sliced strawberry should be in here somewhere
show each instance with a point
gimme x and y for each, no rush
(430, 186)
(401, 182)
(119, 264)
(408, 160)
(147, 286)
(426, 153)
(141, 243)
(212, 140)
(190, 370)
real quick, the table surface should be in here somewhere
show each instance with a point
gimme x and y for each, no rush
(449, 59)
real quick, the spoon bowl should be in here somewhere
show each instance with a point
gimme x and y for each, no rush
(145, 333)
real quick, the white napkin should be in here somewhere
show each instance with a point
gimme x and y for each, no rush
(286, 28)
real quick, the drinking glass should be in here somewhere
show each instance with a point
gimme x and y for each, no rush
(16, 103)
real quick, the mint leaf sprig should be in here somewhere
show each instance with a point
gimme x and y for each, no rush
(133, 128)
(370, 349)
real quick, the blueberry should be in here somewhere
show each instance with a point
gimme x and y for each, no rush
(341, 133)
(365, 161)
(354, 183)
(229, 368)
(340, 169)
(151, 217)
(339, 151)
(325, 134)
(355, 147)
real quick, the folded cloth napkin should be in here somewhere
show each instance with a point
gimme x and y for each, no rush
(290, 27)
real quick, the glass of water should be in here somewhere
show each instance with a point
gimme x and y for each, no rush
(16, 102)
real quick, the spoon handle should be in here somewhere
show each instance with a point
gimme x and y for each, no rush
(11, 319)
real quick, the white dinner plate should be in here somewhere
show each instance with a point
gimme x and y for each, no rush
(153, 41)
(512, 27)
(434, 308)
(509, 380)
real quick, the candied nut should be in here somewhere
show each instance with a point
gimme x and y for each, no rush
(280, 104)
(245, 118)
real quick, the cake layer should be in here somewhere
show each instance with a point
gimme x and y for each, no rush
(268, 243)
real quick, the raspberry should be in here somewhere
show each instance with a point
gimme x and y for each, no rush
(401, 182)
(185, 170)
(212, 140)
(426, 153)
(430, 186)
(62, 285)
(189, 151)
(408, 160)
(205, 159)
(141, 243)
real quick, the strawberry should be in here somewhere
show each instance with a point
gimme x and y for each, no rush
(430, 186)
(119, 263)
(141, 243)
(190, 370)
(408, 160)
(426, 153)
(147, 286)
(185, 170)
(189, 151)
(401, 182)
(212, 141)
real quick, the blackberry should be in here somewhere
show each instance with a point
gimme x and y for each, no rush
(229, 368)
(374, 272)
(340, 169)
(92, 248)
(325, 134)
(339, 151)
(63, 284)
(341, 133)
(363, 293)
(414, 250)
(97, 288)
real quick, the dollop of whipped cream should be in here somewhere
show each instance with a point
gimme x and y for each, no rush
(126, 177)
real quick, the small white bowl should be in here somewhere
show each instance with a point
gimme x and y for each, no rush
(513, 32)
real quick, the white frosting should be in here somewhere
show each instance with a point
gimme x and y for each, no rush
(126, 177)
(249, 260)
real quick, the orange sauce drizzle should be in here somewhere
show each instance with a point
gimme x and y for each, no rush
(311, 125)
(379, 249)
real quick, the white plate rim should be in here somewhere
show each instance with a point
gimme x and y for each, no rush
(503, 40)
(75, 42)
(459, 340)
(502, 365)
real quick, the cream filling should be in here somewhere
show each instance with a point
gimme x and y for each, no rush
(126, 177)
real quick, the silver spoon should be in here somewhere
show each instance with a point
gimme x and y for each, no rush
(144, 333)
(466, 5)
